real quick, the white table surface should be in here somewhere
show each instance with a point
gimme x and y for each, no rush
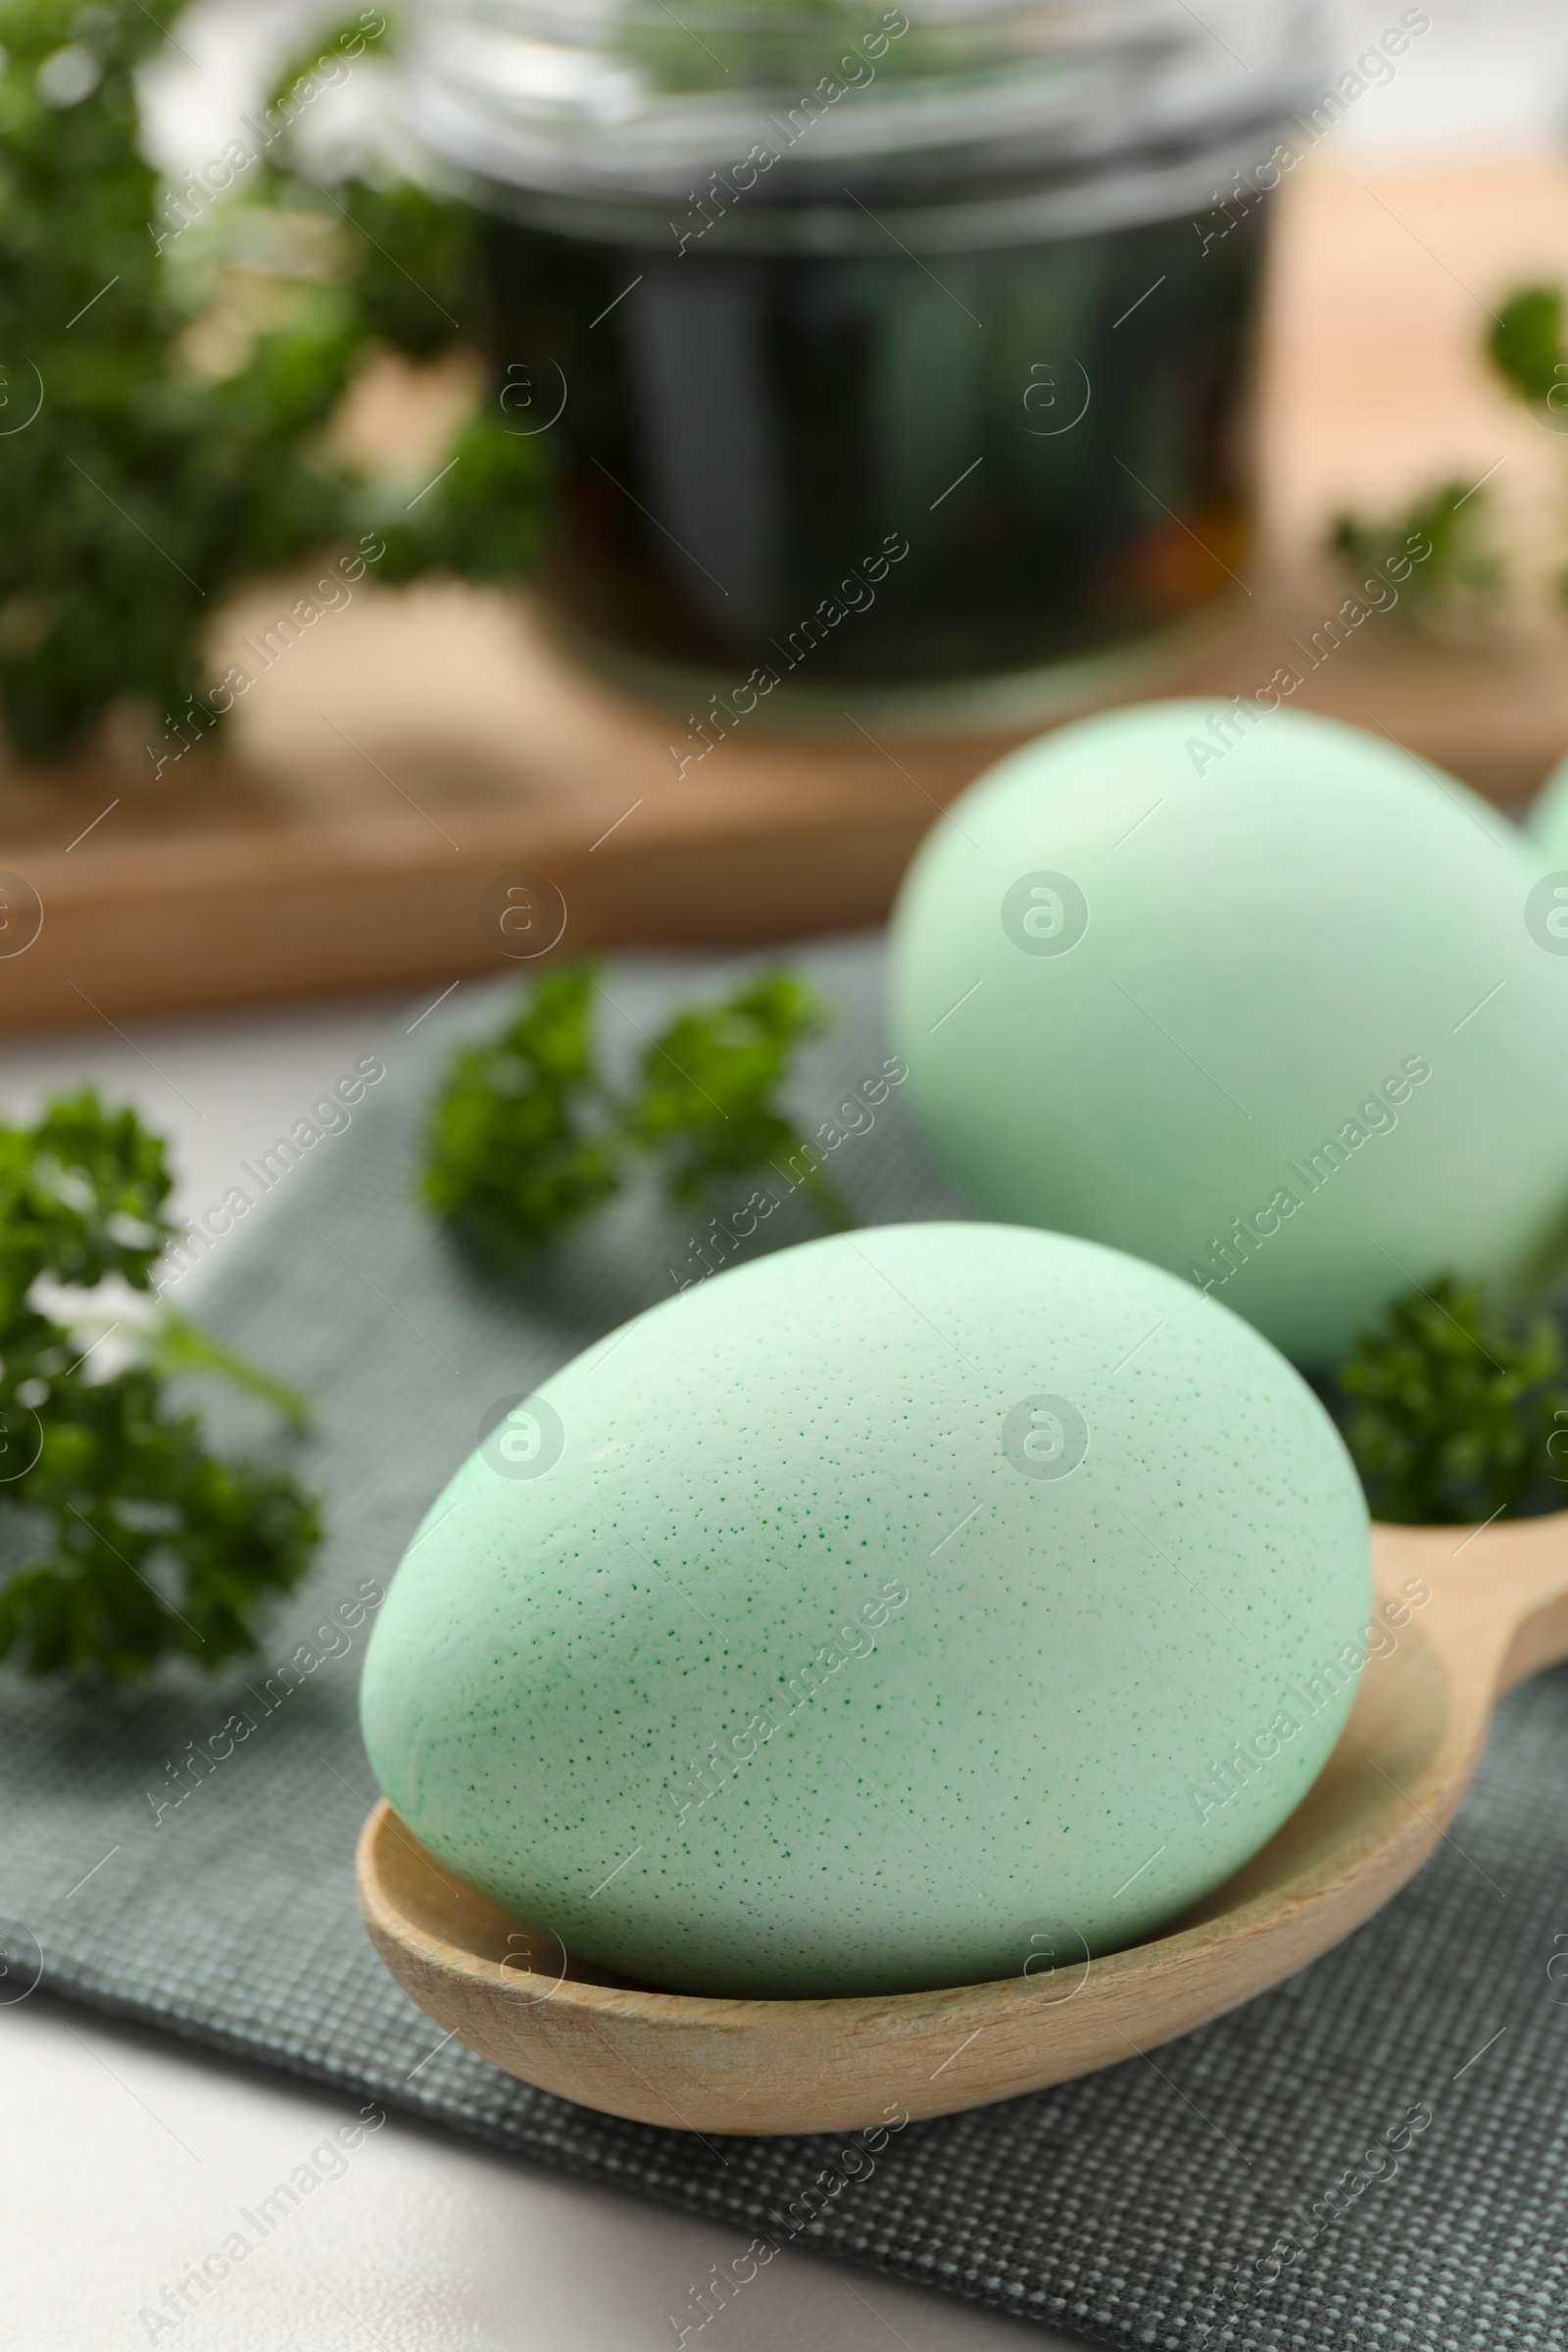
(127, 2160)
(125, 2155)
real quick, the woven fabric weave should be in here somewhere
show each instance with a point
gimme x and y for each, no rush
(1153, 2204)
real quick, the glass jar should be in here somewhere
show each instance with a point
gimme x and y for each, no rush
(897, 364)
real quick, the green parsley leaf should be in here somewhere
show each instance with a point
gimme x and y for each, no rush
(145, 487)
(708, 1110)
(522, 1142)
(1442, 566)
(128, 1539)
(1453, 1413)
(1526, 344)
(527, 1136)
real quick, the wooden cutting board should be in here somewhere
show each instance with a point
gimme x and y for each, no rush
(413, 750)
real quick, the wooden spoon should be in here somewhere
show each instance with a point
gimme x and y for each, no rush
(1499, 1611)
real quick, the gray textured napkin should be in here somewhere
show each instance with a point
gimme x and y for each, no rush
(1220, 2192)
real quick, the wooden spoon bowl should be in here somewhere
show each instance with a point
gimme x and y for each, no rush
(1497, 1611)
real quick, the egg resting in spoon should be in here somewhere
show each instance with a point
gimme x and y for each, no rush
(919, 1606)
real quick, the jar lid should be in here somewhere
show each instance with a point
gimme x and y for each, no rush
(631, 99)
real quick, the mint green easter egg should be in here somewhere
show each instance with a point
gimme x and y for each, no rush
(1258, 998)
(1546, 824)
(921, 1607)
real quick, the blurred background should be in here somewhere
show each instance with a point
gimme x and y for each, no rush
(1378, 383)
(1497, 74)
(530, 644)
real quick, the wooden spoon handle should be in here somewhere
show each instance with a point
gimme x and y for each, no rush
(1499, 1592)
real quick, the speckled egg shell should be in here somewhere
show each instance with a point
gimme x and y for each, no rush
(1283, 1018)
(881, 1614)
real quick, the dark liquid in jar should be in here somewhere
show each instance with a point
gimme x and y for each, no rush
(1058, 435)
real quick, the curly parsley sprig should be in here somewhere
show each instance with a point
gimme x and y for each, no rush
(1526, 344)
(132, 1540)
(1463, 577)
(527, 1137)
(1453, 1413)
(183, 359)
(1437, 553)
(709, 1113)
